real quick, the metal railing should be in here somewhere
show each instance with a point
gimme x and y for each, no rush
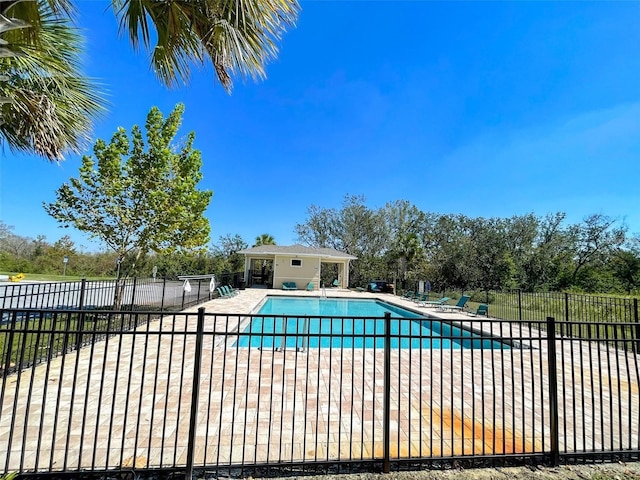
(213, 392)
(128, 294)
(518, 305)
(598, 311)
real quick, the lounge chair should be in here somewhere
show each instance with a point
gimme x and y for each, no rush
(222, 293)
(310, 286)
(434, 303)
(458, 306)
(335, 283)
(229, 291)
(421, 298)
(408, 295)
(289, 286)
(483, 309)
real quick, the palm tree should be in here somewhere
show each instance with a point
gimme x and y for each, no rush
(264, 239)
(237, 36)
(48, 105)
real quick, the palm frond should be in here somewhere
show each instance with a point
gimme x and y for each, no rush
(244, 34)
(239, 37)
(52, 104)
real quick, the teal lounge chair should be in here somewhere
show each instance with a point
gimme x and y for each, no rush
(289, 286)
(229, 291)
(434, 303)
(458, 306)
(310, 286)
(421, 298)
(335, 283)
(483, 309)
(408, 295)
(222, 293)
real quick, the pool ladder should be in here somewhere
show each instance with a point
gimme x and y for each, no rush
(305, 337)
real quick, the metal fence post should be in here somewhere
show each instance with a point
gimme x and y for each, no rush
(133, 293)
(519, 304)
(566, 307)
(195, 390)
(553, 391)
(164, 286)
(386, 461)
(636, 344)
(9, 346)
(83, 285)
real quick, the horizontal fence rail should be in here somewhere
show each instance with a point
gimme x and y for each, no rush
(131, 390)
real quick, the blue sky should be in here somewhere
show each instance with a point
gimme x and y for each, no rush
(479, 108)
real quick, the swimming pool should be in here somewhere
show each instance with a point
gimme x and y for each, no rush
(311, 323)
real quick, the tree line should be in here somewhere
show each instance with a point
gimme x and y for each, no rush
(402, 244)
(398, 243)
(22, 254)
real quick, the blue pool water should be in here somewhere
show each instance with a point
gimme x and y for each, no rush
(356, 327)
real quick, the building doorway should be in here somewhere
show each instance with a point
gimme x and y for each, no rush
(261, 272)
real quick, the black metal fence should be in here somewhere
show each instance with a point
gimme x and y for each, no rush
(128, 294)
(518, 305)
(598, 310)
(210, 392)
(537, 306)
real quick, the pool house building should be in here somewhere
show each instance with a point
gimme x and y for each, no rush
(273, 266)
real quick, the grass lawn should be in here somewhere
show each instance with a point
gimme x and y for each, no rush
(48, 277)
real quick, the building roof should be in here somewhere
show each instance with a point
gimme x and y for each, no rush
(299, 250)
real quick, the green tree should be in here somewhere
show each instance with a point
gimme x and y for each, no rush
(404, 249)
(227, 252)
(11, 243)
(354, 229)
(520, 233)
(264, 239)
(550, 260)
(51, 259)
(625, 265)
(137, 198)
(450, 248)
(321, 228)
(48, 105)
(361, 232)
(489, 255)
(594, 240)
